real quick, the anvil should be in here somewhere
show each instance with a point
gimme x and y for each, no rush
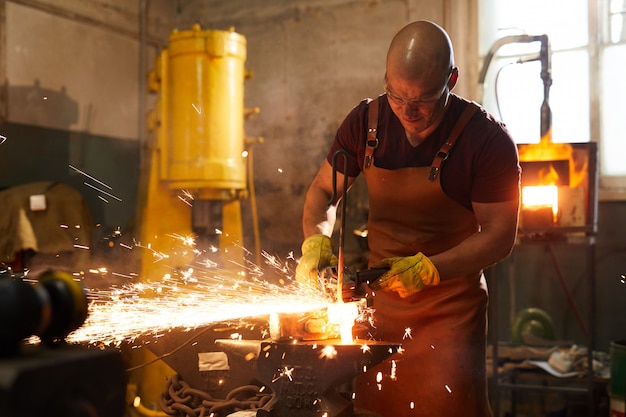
(304, 375)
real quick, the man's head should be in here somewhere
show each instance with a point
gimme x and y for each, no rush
(420, 74)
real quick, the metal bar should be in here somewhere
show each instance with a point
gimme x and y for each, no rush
(344, 191)
(591, 339)
(497, 45)
(533, 387)
(568, 293)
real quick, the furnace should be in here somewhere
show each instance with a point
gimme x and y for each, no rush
(559, 189)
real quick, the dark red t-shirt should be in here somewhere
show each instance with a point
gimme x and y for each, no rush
(483, 165)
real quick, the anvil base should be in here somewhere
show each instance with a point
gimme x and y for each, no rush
(304, 375)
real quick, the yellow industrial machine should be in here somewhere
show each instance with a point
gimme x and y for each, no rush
(193, 171)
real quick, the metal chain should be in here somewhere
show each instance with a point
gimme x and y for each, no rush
(181, 400)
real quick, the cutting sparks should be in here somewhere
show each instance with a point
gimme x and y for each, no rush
(192, 300)
(379, 380)
(201, 294)
(394, 371)
(90, 177)
(286, 372)
(328, 352)
(186, 198)
(408, 333)
(102, 191)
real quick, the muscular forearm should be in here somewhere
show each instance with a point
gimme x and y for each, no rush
(493, 243)
(476, 253)
(318, 217)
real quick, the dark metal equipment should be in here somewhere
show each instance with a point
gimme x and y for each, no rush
(62, 381)
(305, 376)
(50, 307)
(53, 378)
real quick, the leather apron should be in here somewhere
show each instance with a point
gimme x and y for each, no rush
(441, 371)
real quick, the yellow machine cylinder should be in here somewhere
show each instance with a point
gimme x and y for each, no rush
(202, 112)
(196, 154)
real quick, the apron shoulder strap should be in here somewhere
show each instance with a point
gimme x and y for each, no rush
(444, 151)
(372, 139)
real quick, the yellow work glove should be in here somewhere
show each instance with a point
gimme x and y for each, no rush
(406, 275)
(317, 254)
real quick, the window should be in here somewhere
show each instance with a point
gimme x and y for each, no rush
(613, 120)
(587, 61)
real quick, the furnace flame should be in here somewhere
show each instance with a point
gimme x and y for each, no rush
(537, 196)
(555, 185)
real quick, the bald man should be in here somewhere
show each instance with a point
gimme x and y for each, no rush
(443, 187)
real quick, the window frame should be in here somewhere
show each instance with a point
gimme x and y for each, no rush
(611, 187)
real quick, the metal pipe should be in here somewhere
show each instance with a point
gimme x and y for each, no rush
(546, 70)
(546, 75)
(499, 44)
(141, 106)
(568, 293)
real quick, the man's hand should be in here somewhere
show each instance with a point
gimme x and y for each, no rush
(406, 275)
(317, 254)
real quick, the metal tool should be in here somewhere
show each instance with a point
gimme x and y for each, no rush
(341, 273)
(353, 282)
(342, 227)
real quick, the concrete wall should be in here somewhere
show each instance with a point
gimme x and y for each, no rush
(74, 65)
(71, 77)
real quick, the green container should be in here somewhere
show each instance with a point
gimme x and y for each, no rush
(618, 369)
